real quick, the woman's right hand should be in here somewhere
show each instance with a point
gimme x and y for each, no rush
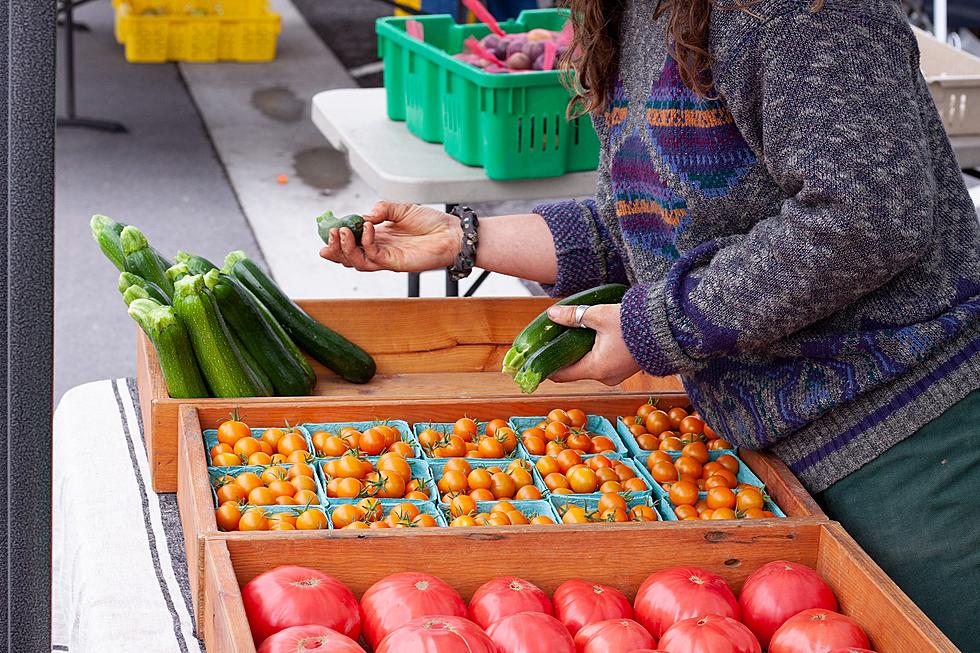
(399, 237)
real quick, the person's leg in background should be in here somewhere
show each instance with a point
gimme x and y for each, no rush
(916, 511)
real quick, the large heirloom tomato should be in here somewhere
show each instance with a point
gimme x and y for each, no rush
(297, 596)
(668, 596)
(298, 639)
(817, 631)
(397, 599)
(530, 632)
(613, 636)
(709, 634)
(579, 603)
(505, 596)
(437, 635)
(778, 590)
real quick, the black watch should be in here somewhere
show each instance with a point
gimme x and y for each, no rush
(466, 259)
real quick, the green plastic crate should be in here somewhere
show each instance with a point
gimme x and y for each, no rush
(511, 124)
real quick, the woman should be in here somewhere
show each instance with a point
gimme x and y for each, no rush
(777, 188)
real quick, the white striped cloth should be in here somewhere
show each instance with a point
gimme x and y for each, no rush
(119, 571)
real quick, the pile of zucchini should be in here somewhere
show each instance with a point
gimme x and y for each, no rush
(228, 332)
(544, 347)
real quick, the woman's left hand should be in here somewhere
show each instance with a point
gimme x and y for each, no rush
(610, 360)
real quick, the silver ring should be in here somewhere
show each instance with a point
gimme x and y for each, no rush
(580, 315)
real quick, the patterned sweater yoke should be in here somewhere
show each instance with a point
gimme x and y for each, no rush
(799, 243)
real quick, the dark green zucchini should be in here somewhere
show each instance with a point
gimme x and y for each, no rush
(143, 260)
(567, 348)
(155, 292)
(262, 336)
(330, 348)
(106, 233)
(173, 346)
(541, 330)
(196, 264)
(329, 221)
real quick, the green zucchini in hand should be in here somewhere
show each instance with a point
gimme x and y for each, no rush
(225, 368)
(262, 336)
(567, 348)
(196, 264)
(329, 221)
(143, 260)
(541, 330)
(155, 292)
(173, 346)
(330, 348)
(106, 233)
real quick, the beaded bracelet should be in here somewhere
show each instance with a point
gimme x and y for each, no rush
(466, 259)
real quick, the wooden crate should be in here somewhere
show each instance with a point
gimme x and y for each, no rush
(618, 555)
(196, 503)
(425, 349)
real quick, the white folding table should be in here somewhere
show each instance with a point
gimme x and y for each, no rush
(400, 166)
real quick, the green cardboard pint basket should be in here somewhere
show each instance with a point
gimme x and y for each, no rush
(513, 125)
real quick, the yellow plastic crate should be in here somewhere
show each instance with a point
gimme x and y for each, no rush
(203, 31)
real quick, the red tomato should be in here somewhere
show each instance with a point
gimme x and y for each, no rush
(297, 596)
(817, 631)
(579, 603)
(437, 635)
(505, 596)
(297, 639)
(778, 590)
(709, 634)
(530, 632)
(398, 599)
(613, 636)
(681, 593)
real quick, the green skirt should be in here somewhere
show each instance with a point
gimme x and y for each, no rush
(915, 510)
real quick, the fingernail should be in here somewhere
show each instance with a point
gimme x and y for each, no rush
(552, 312)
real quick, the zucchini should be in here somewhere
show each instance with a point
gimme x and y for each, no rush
(106, 232)
(143, 260)
(177, 271)
(134, 292)
(127, 279)
(541, 330)
(567, 348)
(174, 349)
(196, 264)
(265, 383)
(330, 348)
(224, 367)
(329, 221)
(262, 336)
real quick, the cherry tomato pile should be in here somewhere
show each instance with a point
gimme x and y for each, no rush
(671, 430)
(611, 507)
(236, 517)
(502, 513)
(283, 485)
(562, 430)
(374, 441)
(784, 606)
(369, 513)
(238, 446)
(391, 477)
(487, 482)
(498, 440)
(569, 473)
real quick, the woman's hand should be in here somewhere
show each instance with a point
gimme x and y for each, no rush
(399, 237)
(610, 360)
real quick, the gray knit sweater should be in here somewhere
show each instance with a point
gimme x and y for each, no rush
(800, 245)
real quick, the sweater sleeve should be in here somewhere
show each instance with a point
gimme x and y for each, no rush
(829, 102)
(587, 252)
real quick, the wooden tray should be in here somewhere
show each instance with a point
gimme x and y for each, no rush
(618, 555)
(424, 348)
(196, 503)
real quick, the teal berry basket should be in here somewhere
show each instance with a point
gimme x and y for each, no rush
(591, 504)
(293, 509)
(596, 425)
(211, 439)
(215, 472)
(446, 428)
(513, 125)
(530, 509)
(597, 495)
(744, 475)
(635, 450)
(420, 471)
(438, 465)
(426, 507)
(666, 508)
(334, 427)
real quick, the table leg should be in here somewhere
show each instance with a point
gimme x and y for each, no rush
(413, 284)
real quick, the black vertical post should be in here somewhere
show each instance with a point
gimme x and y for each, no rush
(26, 302)
(69, 58)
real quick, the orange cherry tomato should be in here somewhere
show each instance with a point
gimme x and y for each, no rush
(232, 431)
(683, 493)
(721, 497)
(656, 422)
(729, 462)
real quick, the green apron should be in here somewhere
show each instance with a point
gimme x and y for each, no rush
(915, 510)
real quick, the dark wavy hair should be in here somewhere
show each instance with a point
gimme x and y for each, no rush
(594, 52)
